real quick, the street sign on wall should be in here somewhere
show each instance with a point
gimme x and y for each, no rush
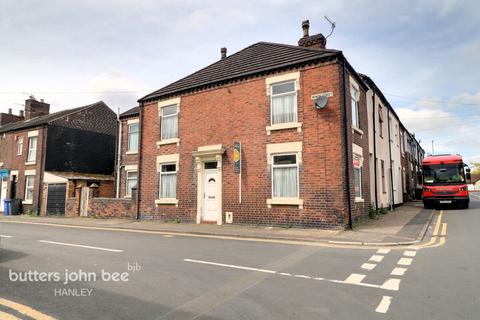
(237, 157)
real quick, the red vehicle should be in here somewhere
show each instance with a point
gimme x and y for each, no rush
(445, 180)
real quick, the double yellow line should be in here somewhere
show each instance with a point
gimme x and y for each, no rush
(20, 308)
(437, 234)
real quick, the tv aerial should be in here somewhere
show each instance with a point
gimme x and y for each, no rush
(333, 24)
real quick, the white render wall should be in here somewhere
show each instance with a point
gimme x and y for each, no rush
(396, 160)
(382, 153)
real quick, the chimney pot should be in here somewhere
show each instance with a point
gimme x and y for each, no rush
(305, 27)
(223, 52)
(21, 113)
(9, 110)
(41, 100)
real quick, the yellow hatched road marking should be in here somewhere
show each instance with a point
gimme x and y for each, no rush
(32, 313)
(6, 316)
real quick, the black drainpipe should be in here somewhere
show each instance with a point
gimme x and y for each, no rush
(375, 150)
(139, 165)
(346, 145)
(42, 170)
(390, 154)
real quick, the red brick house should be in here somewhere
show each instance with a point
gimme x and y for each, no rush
(45, 157)
(299, 114)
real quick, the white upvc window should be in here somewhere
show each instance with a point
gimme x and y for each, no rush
(355, 97)
(168, 181)
(357, 174)
(285, 182)
(20, 146)
(169, 122)
(32, 149)
(131, 182)
(283, 102)
(133, 137)
(29, 181)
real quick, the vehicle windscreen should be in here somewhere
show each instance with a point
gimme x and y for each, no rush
(443, 174)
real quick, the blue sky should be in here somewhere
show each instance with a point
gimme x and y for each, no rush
(424, 55)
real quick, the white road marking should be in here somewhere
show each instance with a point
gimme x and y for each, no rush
(368, 266)
(405, 261)
(383, 251)
(376, 258)
(398, 271)
(355, 278)
(409, 253)
(392, 286)
(4, 236)
(79, 246)
(302, 276)
(384, 304)
(230, 266)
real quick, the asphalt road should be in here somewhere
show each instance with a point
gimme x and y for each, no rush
(184, 278)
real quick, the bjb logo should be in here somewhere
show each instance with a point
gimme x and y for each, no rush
(133, 267)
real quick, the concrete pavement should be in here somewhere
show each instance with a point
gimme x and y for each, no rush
(405, 225)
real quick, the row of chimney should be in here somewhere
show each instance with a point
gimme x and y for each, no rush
(317, 41)
(33, 109)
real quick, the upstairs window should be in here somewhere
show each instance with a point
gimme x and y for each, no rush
(168, 181)
(285, 176)
(355, 97)
(20, 146)
(133, 137)
(283, 102)
(380, 121)
(32, 149)
(169, 122)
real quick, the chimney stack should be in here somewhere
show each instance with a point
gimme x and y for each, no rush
(317, 41)
(305, 27)
(21, 114)
(34, 108)
(223, 52)
(9, 110)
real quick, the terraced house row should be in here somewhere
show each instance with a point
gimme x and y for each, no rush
(273, 134)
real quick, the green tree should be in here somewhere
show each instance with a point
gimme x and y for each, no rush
(476, 167)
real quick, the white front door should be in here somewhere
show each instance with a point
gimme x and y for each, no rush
(3, 191)
(211, 197)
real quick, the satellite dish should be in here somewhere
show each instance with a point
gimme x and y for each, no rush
(321, 102)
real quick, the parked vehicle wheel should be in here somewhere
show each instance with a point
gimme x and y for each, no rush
(428, 205)
(465, 205)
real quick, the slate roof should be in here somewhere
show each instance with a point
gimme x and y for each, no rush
(38, 121)
(261, 57)
(131, 112)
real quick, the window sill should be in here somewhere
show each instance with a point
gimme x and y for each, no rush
(285, 201)
(128, 197)
(357, 199)
(282, 126)
(29, 163)
(167, 201)
(131, 152)
(168, 141)
(357, 130)
(27, 202)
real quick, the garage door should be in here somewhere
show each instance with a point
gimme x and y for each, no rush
(56, 198)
